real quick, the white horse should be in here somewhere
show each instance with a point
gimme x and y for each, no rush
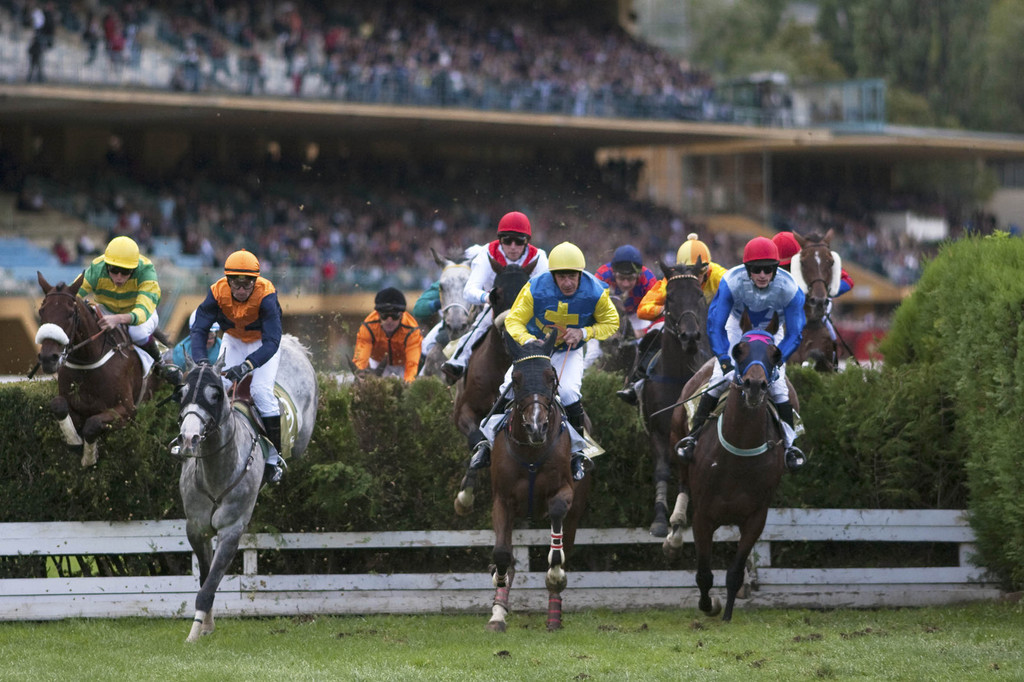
(224, 458)
(456, 312)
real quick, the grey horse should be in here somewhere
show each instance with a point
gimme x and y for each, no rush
(223, 462)
(456, 312)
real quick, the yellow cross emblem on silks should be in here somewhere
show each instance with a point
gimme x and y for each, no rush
(560, 318)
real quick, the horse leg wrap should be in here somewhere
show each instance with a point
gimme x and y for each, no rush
(501, 597)
(67, 427)
(554, 611)
(555, 555)
(678, 517)
(197, 625)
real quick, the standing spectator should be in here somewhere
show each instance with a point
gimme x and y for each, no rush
(91, 36)
(35, 59)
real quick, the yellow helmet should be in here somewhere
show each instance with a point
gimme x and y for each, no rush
(242, 263)
(122, 252)
(566, 256)
(692, 249)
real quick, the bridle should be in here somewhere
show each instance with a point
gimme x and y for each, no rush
(65, 355)
(209, 424)
(673, 328)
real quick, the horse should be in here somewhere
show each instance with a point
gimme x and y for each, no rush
(485, 371)
(818, 272)
(223, 459)
(618, 351)
(684, 348)
(100, 376)
(737, 465)
(530, 466)
(456, 312)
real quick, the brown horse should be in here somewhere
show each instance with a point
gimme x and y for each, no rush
(530, 467)
(618, 351)
(100, 377)
(737, 465)
(817, 270)
(684, 348)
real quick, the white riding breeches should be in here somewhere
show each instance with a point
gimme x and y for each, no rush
(483, 322)
(568, 365)
(430, 340)
(262, 387)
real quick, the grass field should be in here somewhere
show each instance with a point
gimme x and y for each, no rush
(977, 641)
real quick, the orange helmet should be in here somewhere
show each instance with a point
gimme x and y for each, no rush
(760, 249)
(514, 222)
(691, 250)
(787, 246)
(242, 263)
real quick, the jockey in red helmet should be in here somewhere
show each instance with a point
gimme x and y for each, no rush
(759, 288)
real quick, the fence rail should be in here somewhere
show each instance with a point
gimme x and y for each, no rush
(253, 593)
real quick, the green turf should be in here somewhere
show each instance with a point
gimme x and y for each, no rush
(977, 641)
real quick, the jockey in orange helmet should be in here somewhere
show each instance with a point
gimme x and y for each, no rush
(245, 306)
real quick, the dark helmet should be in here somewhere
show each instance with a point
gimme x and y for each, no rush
(389, 300)
(627, 260)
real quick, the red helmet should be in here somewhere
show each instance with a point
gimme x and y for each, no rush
(760, 249)
(787, 246)
(514, 222)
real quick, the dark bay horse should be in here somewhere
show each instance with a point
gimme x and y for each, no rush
(618, 351)
(100, 376)
(224, 457)
(684, 347)
(530, 469)
(456, 312)
(737, 465)
(817, 269)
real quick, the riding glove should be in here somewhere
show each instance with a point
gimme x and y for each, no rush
(725, 362)
(238, 372)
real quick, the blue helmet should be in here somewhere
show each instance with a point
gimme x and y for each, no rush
(627, 260)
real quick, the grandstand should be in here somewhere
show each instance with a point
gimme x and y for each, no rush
(343, 191)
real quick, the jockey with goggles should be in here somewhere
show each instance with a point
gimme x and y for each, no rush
(512, 247)
(629, 280)
(245, 306)
(761, 289)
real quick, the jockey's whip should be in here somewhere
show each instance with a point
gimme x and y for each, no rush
(34, 370)
(686, 400)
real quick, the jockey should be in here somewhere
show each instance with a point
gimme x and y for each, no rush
(571, 300)
(761, 289)
(183, 348)
(391, 333)
(245, 306)
(123, 284)
(628, 278)
(653, 305)
(788, 247)
(512, 247)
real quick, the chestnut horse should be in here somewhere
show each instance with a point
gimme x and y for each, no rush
(530, 467)
(817, 270)
(737, 465)
(684, 348)
(100, 376)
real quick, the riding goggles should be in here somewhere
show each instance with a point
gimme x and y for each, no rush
(508, 240)
(114, 270)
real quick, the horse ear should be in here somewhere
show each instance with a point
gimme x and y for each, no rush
(495, 265)
(528, 269)
(43, 283)
(666, 270)
(549, 342)
(799, 239)
(828, 236)
(513, 347)
(776, 355)
(745, 323)
(189, 363)
(77, 284)
(219, 365)
(773, 326)
(438, 259)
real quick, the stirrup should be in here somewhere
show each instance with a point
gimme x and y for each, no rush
(481, 456)
(795, 458)
(628, 395)
(580, 464)
(684, 448)
(452, 372)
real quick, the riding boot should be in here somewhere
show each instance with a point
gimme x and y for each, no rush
(577, 419)
(478, 442)
(273, 469)
(684, 448)
(169, 372)
(794, 456)
(631, 394)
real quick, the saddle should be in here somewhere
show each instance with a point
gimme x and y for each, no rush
(243, 402)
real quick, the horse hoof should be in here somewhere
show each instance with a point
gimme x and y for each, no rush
(716, 607)
(464, 502)
(496, 626)
(744, 592)
(90, 454)
(554, 625)
(671, 550)
(659, 528)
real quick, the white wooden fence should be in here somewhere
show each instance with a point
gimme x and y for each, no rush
(254, 593)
